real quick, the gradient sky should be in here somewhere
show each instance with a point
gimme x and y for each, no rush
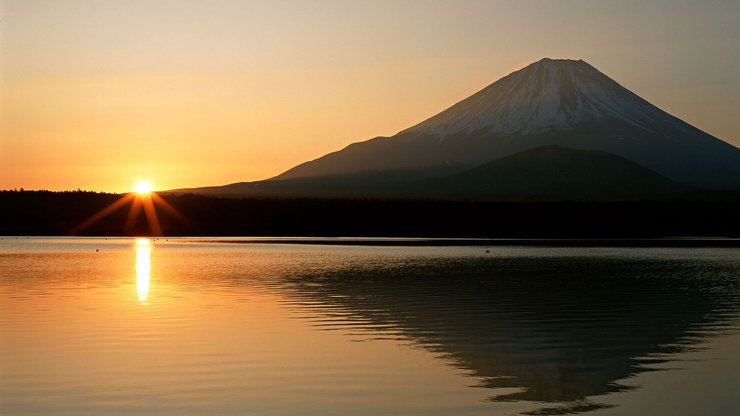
(99, 94)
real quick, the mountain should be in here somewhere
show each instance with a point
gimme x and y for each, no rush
(564, 103)
(550, 102)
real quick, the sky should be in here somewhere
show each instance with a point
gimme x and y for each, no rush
(98, 95)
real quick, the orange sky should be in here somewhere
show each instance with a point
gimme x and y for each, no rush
(97, 95)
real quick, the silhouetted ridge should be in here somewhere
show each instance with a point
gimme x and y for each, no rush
(554, 172)
(546, 173)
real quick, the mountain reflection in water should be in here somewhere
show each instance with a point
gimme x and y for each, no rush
(560, 330)
(96, 326)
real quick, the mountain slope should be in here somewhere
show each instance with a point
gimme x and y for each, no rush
(543, 174)
(551, 102)
(556, 173)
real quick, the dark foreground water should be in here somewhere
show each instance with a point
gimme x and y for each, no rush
(116, 326)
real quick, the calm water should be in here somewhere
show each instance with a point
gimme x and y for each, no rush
(112, 326)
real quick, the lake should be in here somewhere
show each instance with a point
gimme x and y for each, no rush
(208, 326)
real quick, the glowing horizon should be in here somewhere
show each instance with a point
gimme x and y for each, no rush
(199, 94)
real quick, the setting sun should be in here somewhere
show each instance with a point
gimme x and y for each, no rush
(143, 187)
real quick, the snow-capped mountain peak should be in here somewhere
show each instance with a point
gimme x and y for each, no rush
(546, 95)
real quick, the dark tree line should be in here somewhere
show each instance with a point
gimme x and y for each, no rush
(61, 213)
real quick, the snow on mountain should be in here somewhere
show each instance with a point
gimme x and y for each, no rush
(547, 95)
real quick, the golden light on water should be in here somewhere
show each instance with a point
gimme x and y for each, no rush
(143, 267)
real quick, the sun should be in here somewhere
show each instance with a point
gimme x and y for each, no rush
(141, 198)
(143, 188)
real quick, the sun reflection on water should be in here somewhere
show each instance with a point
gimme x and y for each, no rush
(143, 267)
